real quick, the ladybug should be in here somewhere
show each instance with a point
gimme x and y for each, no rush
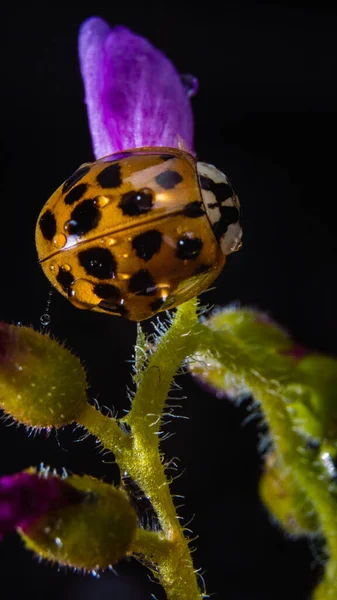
(138, 232)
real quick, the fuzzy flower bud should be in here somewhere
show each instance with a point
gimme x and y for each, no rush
(92, 534)
(26, 496)
(41, 383)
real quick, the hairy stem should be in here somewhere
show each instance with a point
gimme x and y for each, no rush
(144, 464)
(106, 429)
(139, 454)
(151, 545)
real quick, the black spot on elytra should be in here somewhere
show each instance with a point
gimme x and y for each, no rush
(66, 280)
(157, 304)
(221, 191)
(168, 179)
(76, 193)
(188, 248)
(111, 298)
(136, 202)
(110, 177)
(147, 244)
(114, 308)
(142, 283)
(229, 214)
(167, 156)
(107, 291)
(47, 225)
(98, 262)
(193, 210)
(83, 218)
(74, 178)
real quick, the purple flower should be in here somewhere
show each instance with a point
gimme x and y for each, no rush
(7, 341)
(134, 95)
(26, 496)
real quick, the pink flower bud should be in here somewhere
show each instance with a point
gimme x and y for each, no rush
(26, 496)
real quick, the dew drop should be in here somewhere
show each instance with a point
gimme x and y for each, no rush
(110, 241)
(59, 240)
(66, 267)
(52, 265)
(190, 83)
(45, 319)
(83, 294)
(69, 224)
(101, 201)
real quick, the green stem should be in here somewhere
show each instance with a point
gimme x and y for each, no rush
(151, 546)
(139, 454)
(147, 409)
(144, 464)
(106, 429)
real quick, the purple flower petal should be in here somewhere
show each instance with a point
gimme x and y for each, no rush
(26, 496)
(134, 95)
(7, 341)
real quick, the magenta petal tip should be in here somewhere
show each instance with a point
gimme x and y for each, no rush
(134, 95)
(26, 496)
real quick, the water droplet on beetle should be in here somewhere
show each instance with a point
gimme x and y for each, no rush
(190, 83)
(101, 201)
(59, 240)
(110, 241)
(69, 224)
(82, 293)
(65, 267)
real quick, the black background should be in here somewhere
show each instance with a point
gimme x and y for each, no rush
(266, 115)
